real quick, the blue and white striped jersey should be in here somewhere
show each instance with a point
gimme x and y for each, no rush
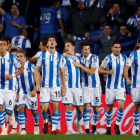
(21, 42)
(26, 82)
(38, 55)
(90, 80)
(134, 62)
(72, 73)
(50, 65)
(8, 63)
(110, 62)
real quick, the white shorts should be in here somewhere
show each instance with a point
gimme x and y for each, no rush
(47, 94)
(135, 92)
(30, 102)
(92, 96)
(7, 97)
(115, 94)
(73, 96)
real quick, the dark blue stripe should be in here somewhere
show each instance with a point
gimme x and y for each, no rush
(77, 77)
(44, 68)
(136, 69)
(24, 44)
(57, 77)
(86, 79)
(2, 74)
(51, 70)
(11, 63)
(109, 75)
(117, 74)
(30, 77)
(16, 41)
(23, 83)
(69, 73)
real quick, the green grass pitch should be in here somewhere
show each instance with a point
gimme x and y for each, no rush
(69, 137)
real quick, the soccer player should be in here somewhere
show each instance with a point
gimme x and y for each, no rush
(73, 88)
(42, 47)
(133, 62)
(90, 85)
(113, 66)
(27, 93)
(8, 64)
(51, 63)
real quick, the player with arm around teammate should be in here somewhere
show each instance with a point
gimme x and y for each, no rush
(113, 66)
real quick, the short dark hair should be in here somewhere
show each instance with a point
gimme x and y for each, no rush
(8, 38)
(116, 3)
(13, 50)
(52, 36)
(83, 44)
(124, 25)
(20, 31)
(15, 4)
(137, 7)
(117, 42)
(106, 25)
(70, 41)
(54, 2)
(44, 41)
(4, 39)
(21, 51)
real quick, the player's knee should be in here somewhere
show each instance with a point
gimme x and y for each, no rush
(21, 109)
(121, 108)
(69, 107)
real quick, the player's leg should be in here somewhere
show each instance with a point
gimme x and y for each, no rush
(135, 92)
(44, 103)
(110, 98)
(58, 128)
(95, 103)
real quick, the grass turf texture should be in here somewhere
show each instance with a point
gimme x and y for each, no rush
(69, 137)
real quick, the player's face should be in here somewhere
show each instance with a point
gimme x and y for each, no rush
(81, 6)
(123, 30)
(116, 8)
(138, 12)
(107, 30)
(3, 47)
(86, 51)
(42, 48)
(21, 58)
(69, 48)
(116, 49)
(51, 43)
(14, 10)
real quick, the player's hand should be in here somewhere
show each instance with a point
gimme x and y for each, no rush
(63, 88)
(66, 55)
(87, 35)
(111, 71)
(16, 97)
(105, 77)
(33, 93)
(8, 77)
(76, 64)
(38, 88)
(111, 11)
(128, 81)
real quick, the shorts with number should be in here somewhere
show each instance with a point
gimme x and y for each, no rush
(92, 96)
(73, 96)
(135, 92)
(115, 94)
(30, 102)
(7, 97)
(47, 94)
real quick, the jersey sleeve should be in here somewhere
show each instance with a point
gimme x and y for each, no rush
(105, 62)
(59, 15)
(130, 59)
(37, 55)
(32, 68)
(28, 44)
(62, 62)
(39, 62)
(16, 63)
(95, 62)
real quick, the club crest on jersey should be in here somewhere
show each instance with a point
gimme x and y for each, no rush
(123, 59)
(88, 61)
(56, 58)
(27, 69)
(9, 60)
(95, 61)
(62, 61)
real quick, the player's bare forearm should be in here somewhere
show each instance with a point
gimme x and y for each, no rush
(62, 75)
(102, 70)
(88, 71)
(36, 75)
(20, 71)
(126, 68)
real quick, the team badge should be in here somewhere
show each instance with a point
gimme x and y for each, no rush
(88, 61)
(95, 61)
(56, 58)
(27, 69)
(123, 60)
(9, 60)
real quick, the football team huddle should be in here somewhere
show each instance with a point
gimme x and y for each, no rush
(70, 78)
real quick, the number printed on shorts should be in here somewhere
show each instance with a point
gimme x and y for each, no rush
(58, 93)
(97, 99)
(81, 98)
(34, 103)
(10, 102)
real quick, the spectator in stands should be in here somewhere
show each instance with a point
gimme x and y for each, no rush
(115, 18)
(13, 21)
(50, 20)
(22, 42)
(126, 41)
(106, 41)
(80, 20)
